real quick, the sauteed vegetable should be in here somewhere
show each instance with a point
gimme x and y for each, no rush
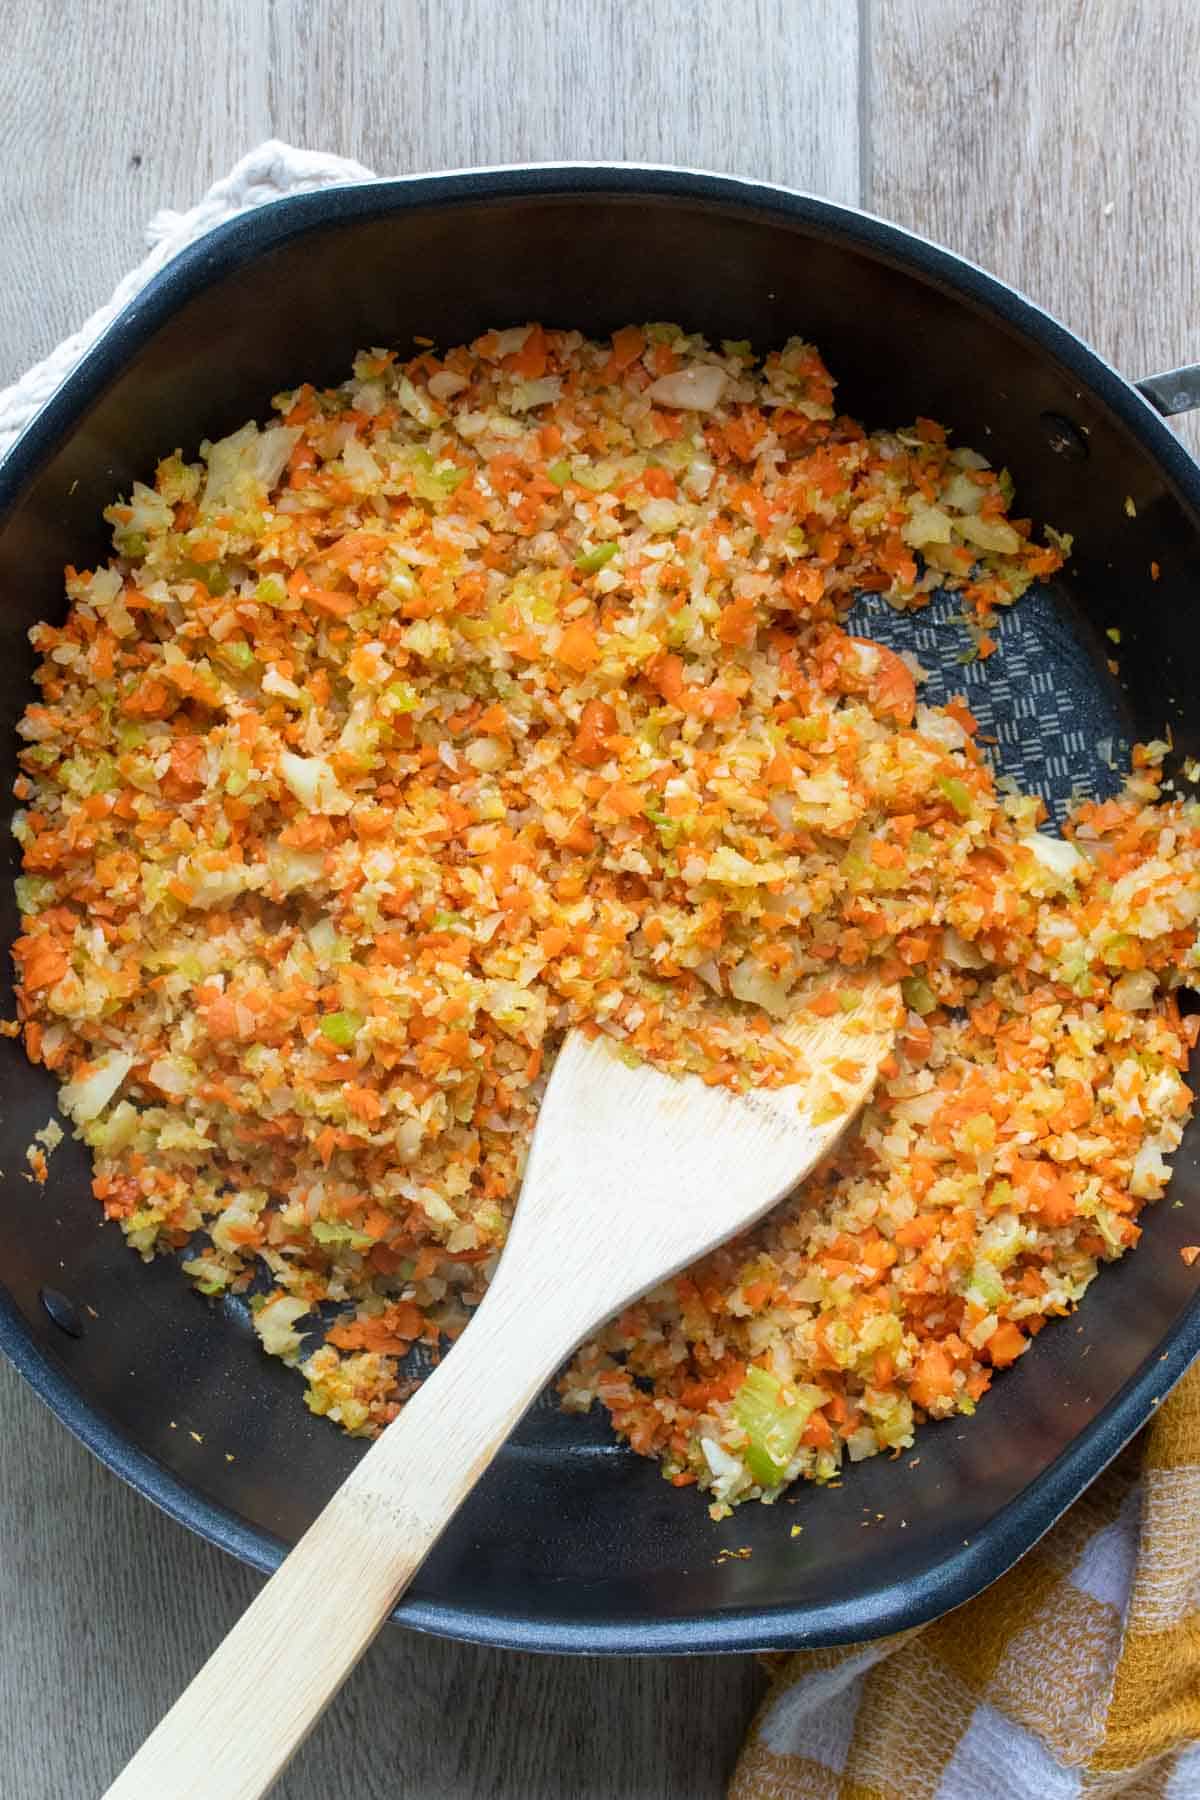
(508, 689)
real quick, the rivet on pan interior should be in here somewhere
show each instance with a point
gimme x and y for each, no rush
(1064, 438)
(64, 1312)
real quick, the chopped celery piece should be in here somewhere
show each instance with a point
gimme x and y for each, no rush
(212, 575)
(979, 1132)
(270, 591)
(588, 561)
(207, 1275)
(669, 830)
(594, 477)
(325, 1233)
(957, 793)
(774, 1426)
(238, 778)
(342, 1027)
(437, 484)
(987, 1283)
(34, 893)
(103, 775)
(559, 473)
(237, 653)
(131, 543)
(919, 997)
(401, 697)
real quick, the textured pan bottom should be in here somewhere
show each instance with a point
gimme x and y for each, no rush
(1057, 722)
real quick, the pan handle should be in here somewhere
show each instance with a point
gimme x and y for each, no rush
(1174, 391)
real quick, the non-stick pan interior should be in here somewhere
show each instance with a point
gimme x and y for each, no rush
(1048, 718)
(570, 1542)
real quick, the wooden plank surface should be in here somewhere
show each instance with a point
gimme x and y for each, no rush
(105, 1606)
(1057, 144)
(159, 97)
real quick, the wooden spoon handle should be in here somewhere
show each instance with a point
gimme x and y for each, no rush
(234, 1728)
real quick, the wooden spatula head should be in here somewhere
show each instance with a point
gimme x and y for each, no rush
(634, 1173)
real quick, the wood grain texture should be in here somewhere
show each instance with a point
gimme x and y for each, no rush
(1006, 132)
(140, 105)
(628, 1141)
(1059, 146)
(107, 114)
(419, 1719)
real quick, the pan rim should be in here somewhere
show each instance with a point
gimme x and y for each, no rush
(1012, 1531)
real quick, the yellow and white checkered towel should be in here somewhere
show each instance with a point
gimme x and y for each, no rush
(1077, 1673)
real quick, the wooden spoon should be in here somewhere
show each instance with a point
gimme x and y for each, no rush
(632, 1175)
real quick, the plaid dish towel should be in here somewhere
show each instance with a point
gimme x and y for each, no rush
(1078, 1673)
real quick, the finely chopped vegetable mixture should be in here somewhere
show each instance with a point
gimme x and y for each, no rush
(505, 690)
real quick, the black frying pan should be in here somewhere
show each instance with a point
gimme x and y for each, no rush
(570, 1543)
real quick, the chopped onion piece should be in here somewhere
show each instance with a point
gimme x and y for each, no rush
(753, 984)
(1055, 854)
(699, 388)
(989, 534)
(85, 1099)
(1134, 992)
(960, 953)
(314, 783)
(446, 383)
(274, 1322)
(508, 342)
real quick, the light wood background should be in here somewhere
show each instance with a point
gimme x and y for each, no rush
(1055, 141)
